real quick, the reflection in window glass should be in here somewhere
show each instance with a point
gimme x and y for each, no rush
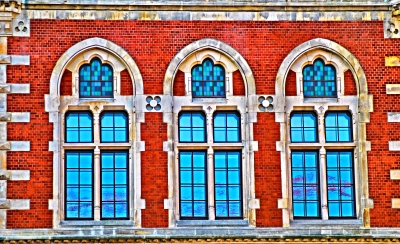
(319, 80)
(96, 79)
(208, 80)
(226, 127)
(79, 185)
(303, 127)
(114, 185)
(192, 127)
(228, 193)
(78, 127)
(192, 184)
(338, 127)
(305, 184)
(114, 127)
(340, 180)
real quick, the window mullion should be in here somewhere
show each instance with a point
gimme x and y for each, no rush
(97, 183)
(210, 183)
(323, 184)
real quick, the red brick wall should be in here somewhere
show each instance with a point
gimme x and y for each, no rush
(238, 84)
(350, 87)
(290, 85)
(126, 83)
(66, 83)
(263, 44)
(154, 171)
(267, 168)
(179, 84)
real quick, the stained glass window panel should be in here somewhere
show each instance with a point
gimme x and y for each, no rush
(208, 80)
(340, 183)
(96, 80)
(305, 185)
(193, 184)
(319, 80)
(228, 189)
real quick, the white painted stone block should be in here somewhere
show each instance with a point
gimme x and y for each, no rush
(20, 204)
(394, 145)
(141, 204)
(53, 146)
(254, 203)
(168, 203)
(395, 174)
(280, 146)
(395, 202)
(20, 117)
(140, 146)
(168, 146)
(20, 60)
(21, 146)
(51, 103)
(253, 146)
(20, 175)
(20, 88)
(393, 117)
(392, 88)
(282, 203)
(280, 117)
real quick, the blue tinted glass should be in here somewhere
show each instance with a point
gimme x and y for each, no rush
(344, 134)
(233, 177)
(297, 134)
(311, 159)
(85, 135)
(346, 159)
(197, 120)
(199, 193)
(232, 120)
(199, 177)
(186, 193)
(233, 159)
(185, 159)
(310, 134)
(107, 177)
(344, 120)
(198, 135)
(73, 120)
(72, 135)
(120, 135)
(107, 210)
(185, 135)
(221, 193)
(107, 120)
(331, 134)
(72, 209)
(120, 177)
(199, 159)
(72, 160)
(186, 209)
(85, 120)
(220, 134)
(220, 177)
(312, 209)
(298, 209)
(72, 194)
(303, 127)
(221, 209)
(234, 193)
(185, 120)
(330, 120)
(199, 209)
(296, 120)
(121, 210)
(297, 159)
(233, 134)
(107, 160)
(220, 120)
(121, 193)
(219, 159)
(72, 177)
(86, 160)
(121, 160)
(120, 120)
(309, 120)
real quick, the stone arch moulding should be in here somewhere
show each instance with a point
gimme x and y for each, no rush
(53, 106)
(365, 106)
(208, 43)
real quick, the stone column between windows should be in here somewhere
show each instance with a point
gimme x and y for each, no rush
(210, 183)
(96, 187)
(323, 184)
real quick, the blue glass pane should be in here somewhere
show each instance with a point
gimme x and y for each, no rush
(185, 159)
(72, 194)
(297, 159)
(185, 135)
(107, 210)
(233, 177)
(298, 209)
(184, 120)
(198, 177)
(234, 209)
(186, 209)
(198, 120)
(85, 193)
(330, 120)
(121, 194)
(120, 120)
(309, 120)
(310, 159)
(220, 177)
(197, 73)
(233, 134)
(199, 209)
(120, 135)
(121, 160)
(199, 193)
(107, 135)
(73, 135)
(334, 209)
(72, 176)
(220, 120)
(186, 193)
(121, 210)
(298, 192)
(298, 177)
(344, 134)
(207, 70)
(107, 160)
(120, 177)
(107, 194)
(333, 193)
(86, 177)
(72, 120)
(221, 209)
(186, 177)
(72, 210)
(219, 73)
(107, 120)
(311, 177)
(85, 120)
(332, 177)
(346, 159)
(219, 134)
(348, 209)
(72, 160)
(219, 159)
(310, 134)
(233, 159)
(344, 120)
(198, 134)
(85, 135)
(234, 193)
(297, 134)
(199, 159)
(107, 177)
(312, 209)
(312, 192)
(86, 160)
(331, 134)
(233, 120)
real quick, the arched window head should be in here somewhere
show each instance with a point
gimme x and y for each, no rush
(208, 80)
(319, 80)
(95, 80)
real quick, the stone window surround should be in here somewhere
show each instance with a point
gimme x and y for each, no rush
(231, 60)
(57, 106)
(359, 106)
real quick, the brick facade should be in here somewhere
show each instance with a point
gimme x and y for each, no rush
(263, 44)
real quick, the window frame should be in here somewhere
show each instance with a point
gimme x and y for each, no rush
(316, 126)
(126, 125)
(351, 139)
(191, 113)
(66, 127)
(239, 129)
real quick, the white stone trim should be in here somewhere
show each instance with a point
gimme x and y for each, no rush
(395, 174)
(20, 60)
(20, 204)
(15, 174)
(362, 105)
(392, 88)
(393, 117)
(15, 88)
(396, 203)
(394, 145)
(15, 117)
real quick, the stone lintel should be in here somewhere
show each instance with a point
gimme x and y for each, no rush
(395, 174)
(392, 88)
(395, 202)
(14, 174)
(394, 145)
(15, 88)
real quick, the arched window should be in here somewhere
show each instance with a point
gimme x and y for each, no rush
(95, 80)
(319, 80)
(208, 80)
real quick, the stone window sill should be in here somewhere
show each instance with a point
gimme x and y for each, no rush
(315, 223)
(212, 223)
(76, 223)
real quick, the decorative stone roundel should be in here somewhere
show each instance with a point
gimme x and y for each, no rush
(266, 103)
(153, 103)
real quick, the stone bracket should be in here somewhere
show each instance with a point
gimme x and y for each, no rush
(14, 174)
(395, 174)
(14, 117)
(53, 204)
(254, 203)
(10, 204)
(21, 146)
(283, 203)
(141, 204)
(15, 88)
